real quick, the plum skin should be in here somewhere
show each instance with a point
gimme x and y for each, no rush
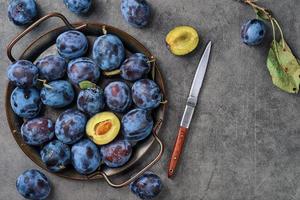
(37, 131)
(23, 73)
(33, 184)
(22, 12)
(136, 12)
(86, 157)
(25, 102)
(70, 126)
(117, 153)
(117, 96)
(78, 6)
(52, 67)
(108, 52)
(91, 101)
(56, 155)
(253, 32)
(60, 94)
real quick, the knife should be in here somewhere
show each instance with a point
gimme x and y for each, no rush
(189, 110)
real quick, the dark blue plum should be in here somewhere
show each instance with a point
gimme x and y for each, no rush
(91, 101)
(148, 186)
(82, 69)
(78, 6)
(146, 94)
(37, 131)
(25, 102)
(86, 157)
(57, 94)
(137, 124)
(52, 67)
(56, 155)
(23, 73)
(117, 96)
(72, 44)
(33, 184)
(70, 126)
(253, 32)
(22, 12)
(136, 12)
(135, 67)
(108, 52)
(117, 153)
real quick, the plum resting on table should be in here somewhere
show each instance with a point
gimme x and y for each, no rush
(22, 12)
(56, 155)
(33, 184)
(25, 102)
(78, 6)
(253, 32)
(90, 101)
(86, 157)
(37, 131)
(23, 73)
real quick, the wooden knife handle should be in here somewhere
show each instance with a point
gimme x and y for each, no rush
(177, 150)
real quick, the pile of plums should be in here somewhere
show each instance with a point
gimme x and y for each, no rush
(95, 126)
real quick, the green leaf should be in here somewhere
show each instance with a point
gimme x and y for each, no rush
(284, 67)
(86, 84)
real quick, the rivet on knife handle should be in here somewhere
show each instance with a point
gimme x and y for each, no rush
(177, 150)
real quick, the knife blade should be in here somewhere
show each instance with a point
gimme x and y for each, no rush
(189, 109)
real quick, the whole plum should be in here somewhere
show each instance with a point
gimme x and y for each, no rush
(22, 12)
(148, 186)
(137, 124)
(25, 102)
(37, 131)
(135, 67)
(253, 32)
(72, 44)
(117, 96)
(117, 153)
(86, 157)
(136, 12)
(23, 73)
(52, 67)
(56, 155)
(57, 94)
(78, 6)
(108, 52)
(91, 101)
(82, 69)
(70, 126)
(33, 184)
(146, 94)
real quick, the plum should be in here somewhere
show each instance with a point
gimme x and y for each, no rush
(70, 126)
(82, 69)
(71, 44)
(117, 153)
(23, 73)
(86, 157)
(22, 12)
(52, 67)
(253, 32)
(117, 96)
(56, 155)
(135, 67)
(90, 101)
(37, 131)
(25, 102)
(57, 94)
(136, 12)
(137, 124)
(146, 94)
(148, 186)
(33, 184)
(78, 6)
(108, 52)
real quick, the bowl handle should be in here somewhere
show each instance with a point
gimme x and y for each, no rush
(34, 25)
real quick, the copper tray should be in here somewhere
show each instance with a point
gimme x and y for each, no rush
(44, 44)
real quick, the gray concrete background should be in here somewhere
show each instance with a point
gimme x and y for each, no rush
(244, 141)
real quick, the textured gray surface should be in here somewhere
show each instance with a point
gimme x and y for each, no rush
(244, 142)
